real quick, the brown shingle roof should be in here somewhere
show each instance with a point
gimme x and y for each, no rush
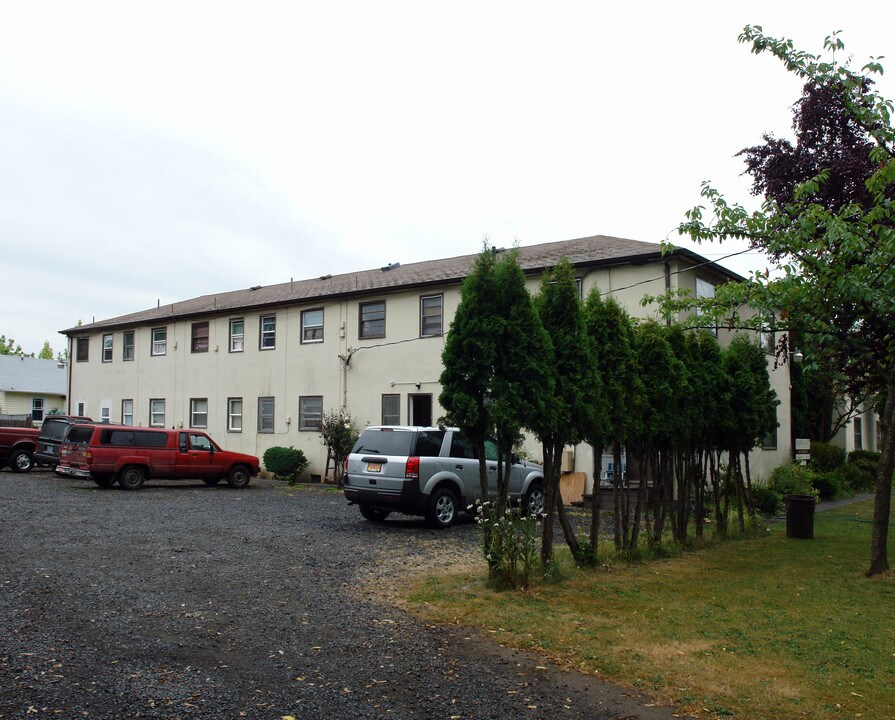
(596, 250)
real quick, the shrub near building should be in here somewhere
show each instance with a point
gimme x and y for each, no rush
(286, 463)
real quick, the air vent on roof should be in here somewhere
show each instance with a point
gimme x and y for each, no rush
(325, 277)
(390, 266)
(255, 287)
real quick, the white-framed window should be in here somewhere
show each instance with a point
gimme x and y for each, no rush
(705, 289)
(127, 412)
(266, 407)
(234, 414)
(858, 424)
(391, 409)
(199, 412)
(37, 409)
(310, 412)
(82, 409)
(127, 345)
(431, 314)
(105, 415)
(199, 337)
(268, 332)
(372, 320)
(237, 334)
(159, 341)
(107, 348)
(157, 412)
(312, 325)
(82, 349)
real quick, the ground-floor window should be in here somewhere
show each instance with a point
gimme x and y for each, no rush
(157, 412)
(265, 414)
(310, 412)
(199, 412)
(127, 412)
(234, 414)
(391, 409)
(37, 409)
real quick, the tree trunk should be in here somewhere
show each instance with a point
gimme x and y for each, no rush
(566, 525)
(597, 451)
(551, 487)
(879, 559)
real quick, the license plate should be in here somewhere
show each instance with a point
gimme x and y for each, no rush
(374, 467)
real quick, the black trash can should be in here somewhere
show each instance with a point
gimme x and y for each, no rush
(800, 516)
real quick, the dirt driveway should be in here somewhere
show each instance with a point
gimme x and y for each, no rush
(187, 601)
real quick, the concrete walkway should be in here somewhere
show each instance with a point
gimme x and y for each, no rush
(832, 504)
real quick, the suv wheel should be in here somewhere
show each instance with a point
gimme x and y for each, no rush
(534, 500)
(131, 478)
(21, 461)
(442, 510)
(373, 514)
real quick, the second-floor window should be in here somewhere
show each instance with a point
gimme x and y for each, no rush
(107, 348)
(372, 320)
(127, 345)
(199, 342)
(82, 349)
(268, 332)
(312, 326)
(431, 315)
(237, 334)
(159, 341)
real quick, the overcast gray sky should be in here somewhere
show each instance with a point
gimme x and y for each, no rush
(160, 151)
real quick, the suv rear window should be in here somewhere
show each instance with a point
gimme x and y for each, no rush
(400, 442)
(384, 442)
(54, 430)
(79, 433)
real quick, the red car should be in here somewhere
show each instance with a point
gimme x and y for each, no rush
(129, 456)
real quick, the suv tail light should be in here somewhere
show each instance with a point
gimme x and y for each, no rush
(412, 468)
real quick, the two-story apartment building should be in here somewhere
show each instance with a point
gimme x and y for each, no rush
(258, 367)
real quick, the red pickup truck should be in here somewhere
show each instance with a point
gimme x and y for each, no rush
(17, 446)
(129, 456)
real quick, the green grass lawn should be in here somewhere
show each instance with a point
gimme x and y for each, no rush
(767, 628)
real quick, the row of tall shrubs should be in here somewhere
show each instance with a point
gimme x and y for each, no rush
(828, 476)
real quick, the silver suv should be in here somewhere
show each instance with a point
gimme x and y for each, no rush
(429, 471)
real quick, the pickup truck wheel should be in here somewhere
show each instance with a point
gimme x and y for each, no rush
(21, 461)
(211, 481)
(239, 476)
(373, 514)
(534, 500)
(442, 509)
(131, 478)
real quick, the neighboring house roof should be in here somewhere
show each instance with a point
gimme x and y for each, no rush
(31, 375)
(599, 250)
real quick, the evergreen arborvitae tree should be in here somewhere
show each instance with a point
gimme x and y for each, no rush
(573, 409)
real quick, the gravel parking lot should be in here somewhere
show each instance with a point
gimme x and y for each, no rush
(187, 601)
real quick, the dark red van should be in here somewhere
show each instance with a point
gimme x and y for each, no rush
(129, 456)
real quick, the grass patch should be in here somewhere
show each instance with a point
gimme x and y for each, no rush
(767, 629)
